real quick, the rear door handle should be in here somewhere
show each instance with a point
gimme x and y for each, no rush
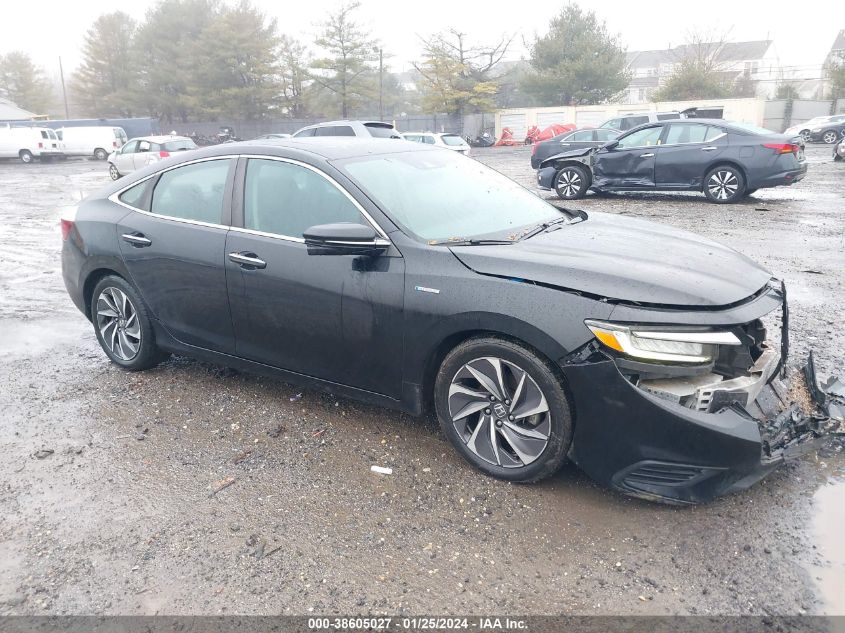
(646, 155)
(710, 148)
(136, 239)
(247, 260)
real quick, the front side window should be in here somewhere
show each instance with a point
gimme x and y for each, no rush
(335, 130)
(414, 138)
(143, 146)
(442, 195)
(285, 199)
(193, 192)
(130, 148)
(641, 138)
(43, 133)
(303, 133)
(606, 135)
(614, 124)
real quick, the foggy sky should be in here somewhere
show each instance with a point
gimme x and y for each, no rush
(802, 32)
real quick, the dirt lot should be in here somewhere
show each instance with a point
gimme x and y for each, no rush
(188, 489)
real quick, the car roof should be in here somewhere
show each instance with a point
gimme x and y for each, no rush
(164, 138)
(327, 147)
(347, 122)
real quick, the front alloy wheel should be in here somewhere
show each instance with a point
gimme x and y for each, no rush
(503, 408)
(499, 412)
(571, 183)
(113, 172)
(724, 184)
(829, 137)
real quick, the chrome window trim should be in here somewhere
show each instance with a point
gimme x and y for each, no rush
(115, 197)
(319, 172)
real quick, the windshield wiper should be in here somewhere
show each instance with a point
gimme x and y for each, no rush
(580, 216)
(460, 241)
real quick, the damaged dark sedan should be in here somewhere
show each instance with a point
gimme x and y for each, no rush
(726, 161)
(410, 277)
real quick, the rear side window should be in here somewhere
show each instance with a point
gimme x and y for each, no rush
(614, 124)
(583, 135)
(302, 133)
(453, 140)
(381, 130)
(334, 130)
(686, 133)
(43, 133)
(285, 199)
(135, 196)
(641, 138)
(193, 192)
(176, 146)
(606, 135)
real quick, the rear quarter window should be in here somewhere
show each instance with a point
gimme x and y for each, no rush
(136, 197)
(381, 131)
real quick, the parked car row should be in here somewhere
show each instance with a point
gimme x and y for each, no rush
(33, 142)
(825, 129)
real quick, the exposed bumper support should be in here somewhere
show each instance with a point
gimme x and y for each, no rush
(647, 447)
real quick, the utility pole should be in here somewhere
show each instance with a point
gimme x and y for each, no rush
(64, 91)
(380, 84)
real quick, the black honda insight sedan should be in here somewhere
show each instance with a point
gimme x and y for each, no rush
(406, 276)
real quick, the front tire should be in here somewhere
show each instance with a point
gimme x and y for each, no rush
(122, 325)
(504, 409)
(113, 171)
(100, 154)
(724, 184)
(571, 183)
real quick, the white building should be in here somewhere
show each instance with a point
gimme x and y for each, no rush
(650, 69)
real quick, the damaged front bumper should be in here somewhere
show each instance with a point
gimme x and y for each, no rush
(687, 439)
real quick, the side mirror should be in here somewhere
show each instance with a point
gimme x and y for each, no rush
(610, 145)
(344, 239)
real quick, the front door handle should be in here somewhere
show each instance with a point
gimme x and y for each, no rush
(709, 149)
(247, 260)
(646, 155)
(136, 239)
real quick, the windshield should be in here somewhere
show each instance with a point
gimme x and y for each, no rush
(443, 195)
(175, 146)
(453, 139)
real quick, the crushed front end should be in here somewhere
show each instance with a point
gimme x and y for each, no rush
(686, 412)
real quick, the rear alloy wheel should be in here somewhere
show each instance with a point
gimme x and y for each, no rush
(113, 172)
(571, 183)
(805, 134)
(724, 184)
(122, 325)
(25, 156)
(100, 154)
(830, 137)
(503, 409)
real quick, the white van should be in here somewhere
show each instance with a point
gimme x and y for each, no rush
(28, 143)
(94, 141)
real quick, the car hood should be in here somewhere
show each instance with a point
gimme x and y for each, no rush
(624, 259)
(571, 153)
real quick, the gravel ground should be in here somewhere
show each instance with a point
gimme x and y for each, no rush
(189, 489)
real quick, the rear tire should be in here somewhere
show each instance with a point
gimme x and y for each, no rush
(524, 439)
(113, 172)
(122, 325)
(571, 183)
(724, 184)
(100, 154)
(25, 156)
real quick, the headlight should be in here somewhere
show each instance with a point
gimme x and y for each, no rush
(645, 343)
